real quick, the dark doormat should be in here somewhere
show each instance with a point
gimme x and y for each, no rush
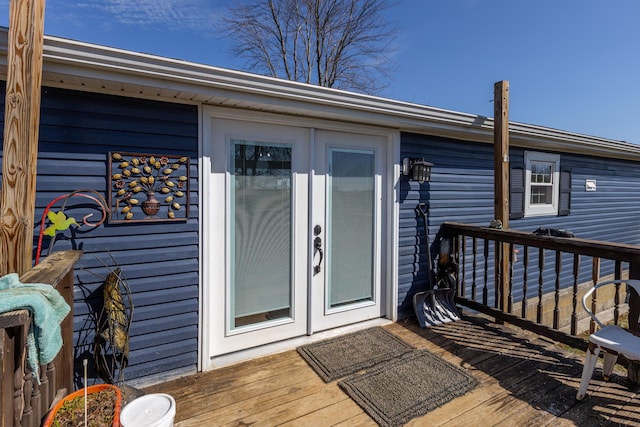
(396, 391)
(347, 354)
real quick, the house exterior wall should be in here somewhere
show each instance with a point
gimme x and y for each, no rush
(159, 260)
(461, 190)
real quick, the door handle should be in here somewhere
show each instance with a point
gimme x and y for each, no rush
(317, 247)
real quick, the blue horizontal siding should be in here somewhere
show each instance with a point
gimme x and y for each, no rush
(461, 190)
(159, 260)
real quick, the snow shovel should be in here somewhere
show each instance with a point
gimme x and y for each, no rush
(436, 305)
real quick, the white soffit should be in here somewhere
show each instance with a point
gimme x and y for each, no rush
(82, 66)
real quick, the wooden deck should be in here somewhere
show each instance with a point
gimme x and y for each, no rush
(524, 380)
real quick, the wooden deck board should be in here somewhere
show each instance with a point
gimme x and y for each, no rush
(360, 420)
(228, 404)
(524, 380)
(341, 412)
(608, 402)
(306, 407)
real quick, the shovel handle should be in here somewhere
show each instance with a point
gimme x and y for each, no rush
(422, 209)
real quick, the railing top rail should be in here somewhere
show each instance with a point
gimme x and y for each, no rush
(14, 318)
(595, 248)
(51, 271)
(53, 268)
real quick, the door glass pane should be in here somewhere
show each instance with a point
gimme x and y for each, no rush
(261, 232)
(351, 226)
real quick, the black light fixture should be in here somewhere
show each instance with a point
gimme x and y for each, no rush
(417, 169)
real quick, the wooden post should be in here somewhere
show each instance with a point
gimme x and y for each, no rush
(633, 370)
(21, 123)
(57, 269)
(634, 298)
(501, 182)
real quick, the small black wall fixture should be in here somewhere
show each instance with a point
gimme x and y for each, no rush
(417, 169)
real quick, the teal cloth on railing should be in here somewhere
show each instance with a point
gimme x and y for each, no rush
(48, 309)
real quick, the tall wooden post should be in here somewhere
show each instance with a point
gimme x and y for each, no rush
(634, 315)
(21, 123)
(501, 183)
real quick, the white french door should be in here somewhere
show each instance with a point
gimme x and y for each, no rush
(257, 221)
(295, 220)
(347, 217)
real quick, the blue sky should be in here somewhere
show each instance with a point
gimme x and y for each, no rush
(572, 64)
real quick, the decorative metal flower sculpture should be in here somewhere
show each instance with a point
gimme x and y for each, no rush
(135, 175)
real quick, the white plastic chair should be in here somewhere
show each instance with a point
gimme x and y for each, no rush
(611, 339)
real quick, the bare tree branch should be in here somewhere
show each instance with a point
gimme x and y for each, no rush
(334, 43)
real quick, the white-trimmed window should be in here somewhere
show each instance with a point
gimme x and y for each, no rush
(542, 183)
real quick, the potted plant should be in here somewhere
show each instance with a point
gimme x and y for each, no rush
(104, 403)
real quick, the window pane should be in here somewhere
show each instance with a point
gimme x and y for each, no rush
(261, 232)
(541, 195)
(541, 173)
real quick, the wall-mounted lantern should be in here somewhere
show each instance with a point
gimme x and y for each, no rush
(417, 169)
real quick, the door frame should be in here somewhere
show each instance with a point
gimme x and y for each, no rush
(208, 249)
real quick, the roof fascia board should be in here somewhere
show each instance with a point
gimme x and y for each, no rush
(108, 61)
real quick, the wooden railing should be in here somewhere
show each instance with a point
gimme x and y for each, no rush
(24, 401)
(542, 279)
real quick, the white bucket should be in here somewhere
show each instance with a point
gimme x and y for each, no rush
(152, 410)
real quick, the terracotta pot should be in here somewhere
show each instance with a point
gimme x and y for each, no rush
(48, 422)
